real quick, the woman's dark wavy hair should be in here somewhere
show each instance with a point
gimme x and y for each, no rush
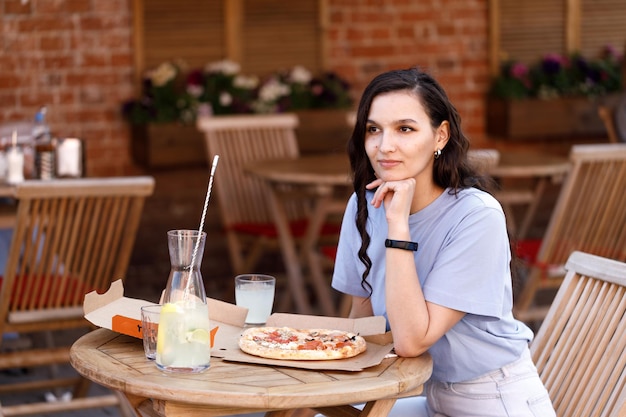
(451, 170)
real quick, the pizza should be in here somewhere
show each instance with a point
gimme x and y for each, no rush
(301, 344)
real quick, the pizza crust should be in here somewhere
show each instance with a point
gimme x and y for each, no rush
(301, 344)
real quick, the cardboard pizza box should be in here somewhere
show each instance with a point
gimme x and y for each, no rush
(113, 311)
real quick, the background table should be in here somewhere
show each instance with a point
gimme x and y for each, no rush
(540, 169)
(118, 362)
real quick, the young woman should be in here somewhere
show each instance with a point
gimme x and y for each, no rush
(423, 245)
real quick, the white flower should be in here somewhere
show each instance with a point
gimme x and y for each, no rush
(162, 74)
(263, 107)
(226, 99)
(224, 66)
(272, 90)
(246, 82)
(300, 75)
(195, 90)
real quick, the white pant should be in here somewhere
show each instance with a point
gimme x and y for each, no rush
(514, 390)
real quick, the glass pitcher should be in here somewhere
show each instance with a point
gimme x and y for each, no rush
(183, 340)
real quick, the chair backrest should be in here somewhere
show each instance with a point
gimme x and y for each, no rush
(589, 216)
(607, 115)
(614, 119)
(240, 140)
(590, 213)
(580, 349)
(484, 159)
(71, 236)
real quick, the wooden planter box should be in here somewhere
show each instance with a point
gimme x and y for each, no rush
(164, 145)
(323, 131)
(544, 119)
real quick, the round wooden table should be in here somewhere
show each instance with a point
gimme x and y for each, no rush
(117, 361)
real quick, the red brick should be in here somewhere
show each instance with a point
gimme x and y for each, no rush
(78, 6)
(117, 40)
(91, 23)
(50, 7)
(115, 6)
(43, 24)
(9, 81)
(58, 61)
(123, 60)
(8, 98)
(446, 29)
(17, 7)
(97, 60)
(53, 42)
(34, 100)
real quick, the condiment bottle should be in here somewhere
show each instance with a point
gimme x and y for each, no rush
(15, 162)
(45, 147)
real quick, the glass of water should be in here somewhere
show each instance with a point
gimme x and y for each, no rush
(256, 293)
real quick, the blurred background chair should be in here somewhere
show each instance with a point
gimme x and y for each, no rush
(580, 349)
(614, 119)
(484, 159)
(589, 216)
(70, 237)
(243, 199)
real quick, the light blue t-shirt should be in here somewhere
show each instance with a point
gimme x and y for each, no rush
(462, 263)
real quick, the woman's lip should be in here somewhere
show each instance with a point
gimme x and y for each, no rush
(385, 163)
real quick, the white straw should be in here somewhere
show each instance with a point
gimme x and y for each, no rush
(204, 210)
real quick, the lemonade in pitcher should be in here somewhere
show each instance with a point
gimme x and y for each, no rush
(183, 341)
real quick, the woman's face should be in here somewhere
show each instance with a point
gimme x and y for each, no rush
(399, 139)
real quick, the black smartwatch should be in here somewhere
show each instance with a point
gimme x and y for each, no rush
(401, 244)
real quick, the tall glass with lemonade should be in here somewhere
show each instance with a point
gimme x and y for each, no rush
(183, 340)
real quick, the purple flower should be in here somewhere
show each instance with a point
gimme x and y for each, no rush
(195, 77)
(519, 70)
(553, 63)
(611, 53)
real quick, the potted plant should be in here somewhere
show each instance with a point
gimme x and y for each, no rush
(556, 96)
(163, 118)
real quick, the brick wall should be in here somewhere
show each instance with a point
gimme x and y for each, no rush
(76, 57)
(446, 37)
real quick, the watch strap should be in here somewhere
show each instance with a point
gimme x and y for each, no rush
(400, 244)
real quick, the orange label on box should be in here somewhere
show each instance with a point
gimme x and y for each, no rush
(132, 327)
(127, 326)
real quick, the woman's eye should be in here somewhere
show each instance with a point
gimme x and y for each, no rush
(372, 129)
(406, 129)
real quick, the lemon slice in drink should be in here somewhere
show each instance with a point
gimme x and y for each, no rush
(165, 318)
(199, 336)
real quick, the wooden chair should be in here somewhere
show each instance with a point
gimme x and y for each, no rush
(607, 115)
(580, 349)
(70, 237)
(614, 118)
(240, 140)
(589, 216)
